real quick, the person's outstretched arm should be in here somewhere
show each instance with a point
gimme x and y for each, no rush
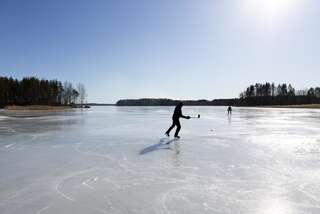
(181, 115)
(185, 117)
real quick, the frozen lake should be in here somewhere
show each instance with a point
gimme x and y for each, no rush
(114, 160)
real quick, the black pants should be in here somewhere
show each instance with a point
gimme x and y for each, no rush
(175, 122)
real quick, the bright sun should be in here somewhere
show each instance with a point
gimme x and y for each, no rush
(272, 9)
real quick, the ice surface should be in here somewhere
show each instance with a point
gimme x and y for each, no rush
(114, 160)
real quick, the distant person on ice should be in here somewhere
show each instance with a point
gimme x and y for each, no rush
(229, 110)
(175, 120)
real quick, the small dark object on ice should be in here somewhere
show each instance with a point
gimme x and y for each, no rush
(198, 117)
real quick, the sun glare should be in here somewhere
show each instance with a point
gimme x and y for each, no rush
(272, 9)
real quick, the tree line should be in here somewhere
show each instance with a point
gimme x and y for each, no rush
(270, 89)
(34, 91)
(281, 94)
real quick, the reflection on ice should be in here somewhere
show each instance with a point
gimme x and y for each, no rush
(106, 160)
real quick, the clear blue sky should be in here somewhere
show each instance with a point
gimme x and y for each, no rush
(185, 49)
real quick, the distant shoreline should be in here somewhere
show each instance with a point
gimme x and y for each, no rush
(100, 104)
(257, 102)
(16, 108)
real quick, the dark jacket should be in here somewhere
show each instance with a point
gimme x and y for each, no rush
(178, 112)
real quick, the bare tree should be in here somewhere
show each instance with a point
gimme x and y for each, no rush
(67, 93)
(302, 92)
(273, 90)
(291, 90)
(75, 95)
(311, 92)
(317, 92)
(82, 93)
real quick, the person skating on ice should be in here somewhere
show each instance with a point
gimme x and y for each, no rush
(175, 120)
(229, 110)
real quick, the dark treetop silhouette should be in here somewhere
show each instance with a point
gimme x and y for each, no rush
(175, 120)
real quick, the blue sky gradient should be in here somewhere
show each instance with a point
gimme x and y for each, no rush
(181, 49)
